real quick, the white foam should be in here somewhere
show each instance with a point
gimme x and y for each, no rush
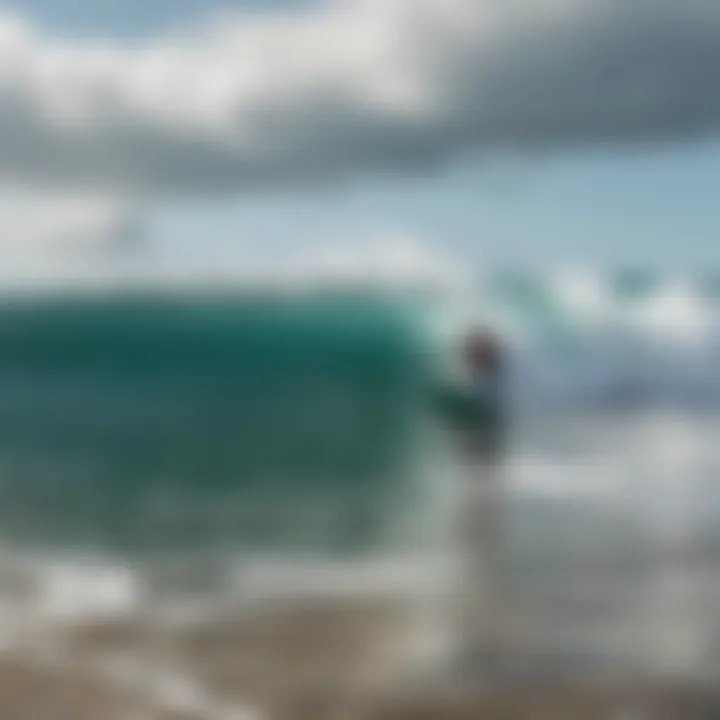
(261, 577)
(72, 590)
(584, 296)
(675, 315)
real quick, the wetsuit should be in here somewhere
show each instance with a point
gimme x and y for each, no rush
(474, 411)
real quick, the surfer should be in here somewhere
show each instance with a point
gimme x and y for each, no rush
(473, 406)
(474, 410)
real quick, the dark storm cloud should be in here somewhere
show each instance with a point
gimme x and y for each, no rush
(352, 87)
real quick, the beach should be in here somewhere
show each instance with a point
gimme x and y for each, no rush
(319, 661)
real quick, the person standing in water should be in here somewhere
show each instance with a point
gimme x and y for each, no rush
(474, 409)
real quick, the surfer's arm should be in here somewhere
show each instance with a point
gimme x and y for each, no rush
(457, 404)
(471, 413)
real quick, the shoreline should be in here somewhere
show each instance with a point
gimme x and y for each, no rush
(332, 660)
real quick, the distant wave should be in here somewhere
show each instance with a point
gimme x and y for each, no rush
(610, 338)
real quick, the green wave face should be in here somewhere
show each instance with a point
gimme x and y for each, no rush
(146, 421)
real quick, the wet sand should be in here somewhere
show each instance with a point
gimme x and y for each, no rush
(292, 661)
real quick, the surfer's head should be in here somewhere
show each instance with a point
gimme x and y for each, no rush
(482, 351)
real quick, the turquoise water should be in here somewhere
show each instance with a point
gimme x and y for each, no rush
(140, 421)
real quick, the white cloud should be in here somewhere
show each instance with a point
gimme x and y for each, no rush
(350, 86)
(39, 228)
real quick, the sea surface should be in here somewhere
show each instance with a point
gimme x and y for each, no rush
(611, 499)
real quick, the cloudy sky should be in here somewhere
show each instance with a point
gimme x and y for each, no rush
(529, 132)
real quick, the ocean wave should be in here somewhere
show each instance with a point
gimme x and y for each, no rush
(610, 338)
